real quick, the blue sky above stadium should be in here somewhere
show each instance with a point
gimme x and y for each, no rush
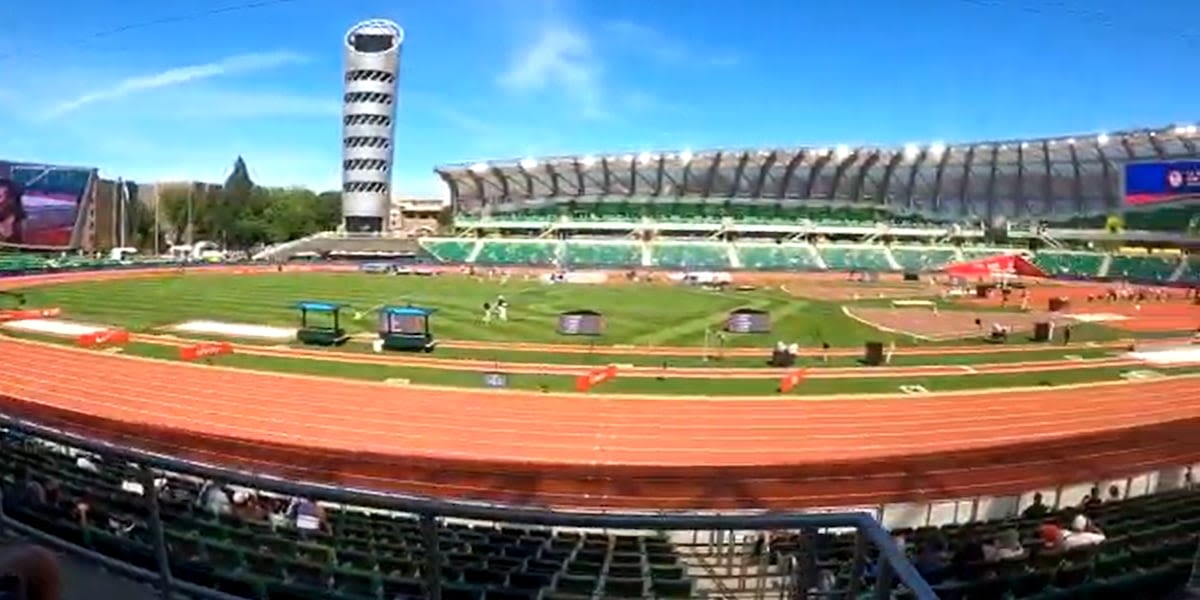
(174, 90)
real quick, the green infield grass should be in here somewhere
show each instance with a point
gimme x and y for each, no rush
(635, 314)
(717, 386)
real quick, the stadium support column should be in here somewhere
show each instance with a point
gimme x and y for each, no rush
(372, 69)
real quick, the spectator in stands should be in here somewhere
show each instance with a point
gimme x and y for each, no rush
(930, 561)
(214, 498)
(965, 564)
(1082, 533)
(12, 212)
(1114, 493)
(25, 491)
(307, 515)
(1093, 499)
(1037, 509)
(1051, 537)
(1006, 546)
(31, 572)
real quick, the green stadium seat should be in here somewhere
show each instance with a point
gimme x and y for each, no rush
(1155, 269)
(690, 256)
(854, 258)
(510, 252)
(449, 251)
(776, 257)
(923, 259)
(1069, 263)
(600, 254)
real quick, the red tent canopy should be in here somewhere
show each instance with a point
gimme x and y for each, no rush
(1005, 264)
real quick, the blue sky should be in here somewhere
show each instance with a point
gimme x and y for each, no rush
(484, 79)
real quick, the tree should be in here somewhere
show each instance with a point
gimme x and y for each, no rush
(173, 214)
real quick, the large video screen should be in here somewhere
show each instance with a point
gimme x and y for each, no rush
(1156, 182)
(46, 213)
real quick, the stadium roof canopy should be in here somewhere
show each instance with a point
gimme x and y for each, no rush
(1082, 170)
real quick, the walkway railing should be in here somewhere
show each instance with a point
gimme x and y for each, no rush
(432, 516)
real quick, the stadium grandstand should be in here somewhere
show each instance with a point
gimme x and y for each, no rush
(842, 208)
(871, 431)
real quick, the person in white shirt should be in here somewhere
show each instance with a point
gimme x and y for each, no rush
(1082, 533)
(501, 308)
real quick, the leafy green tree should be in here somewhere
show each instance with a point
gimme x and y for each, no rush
(173, 214)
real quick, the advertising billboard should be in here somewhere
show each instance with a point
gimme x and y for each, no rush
(1158, 182)
(46, 210)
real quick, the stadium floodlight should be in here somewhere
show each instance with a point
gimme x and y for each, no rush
(1190, 130)
(1024, 145)
(911, 151)
(685, 156)
(587, 161)
(645, 158)
(1180, 130)
(937, 149)
(529, 163)
(480, 168)
(1102, 139)
(842, 152)
(1070, 141)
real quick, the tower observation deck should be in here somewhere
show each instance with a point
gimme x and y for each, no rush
(372, 69)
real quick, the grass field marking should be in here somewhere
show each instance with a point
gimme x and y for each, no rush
(913, 390)
(467, 365)
(620, 397)
(849, 313)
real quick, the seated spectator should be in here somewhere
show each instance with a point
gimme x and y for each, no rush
(214, 499)
(1114, 493)
(31, 572)
(1051, 537)
(307, 515)
(25, 491)
(966, 560)
(1037, 509)
(930, 560)
(1093, 499)
(1082, 533)
(1006, 546)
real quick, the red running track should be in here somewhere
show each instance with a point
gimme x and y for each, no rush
(597, 451)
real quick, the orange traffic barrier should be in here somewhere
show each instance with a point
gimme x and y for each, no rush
(595, 377)
(205, 350)
(33, 313)
(103, 337)
(789, 382)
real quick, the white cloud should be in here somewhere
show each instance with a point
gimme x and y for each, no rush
(649, 42)
(220, 104)
(558, 58)
(243, 63)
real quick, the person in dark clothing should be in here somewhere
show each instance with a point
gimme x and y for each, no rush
(1066, 335)
(965, 564)
(1037, 509)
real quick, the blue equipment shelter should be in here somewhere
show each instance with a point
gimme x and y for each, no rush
(406, 328)
(330, 334)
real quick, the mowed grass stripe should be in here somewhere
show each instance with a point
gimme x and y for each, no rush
(635, 314)
(721, 386)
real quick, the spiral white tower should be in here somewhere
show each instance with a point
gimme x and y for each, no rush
(372, 73)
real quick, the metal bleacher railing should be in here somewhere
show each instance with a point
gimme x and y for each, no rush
(890, 567)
